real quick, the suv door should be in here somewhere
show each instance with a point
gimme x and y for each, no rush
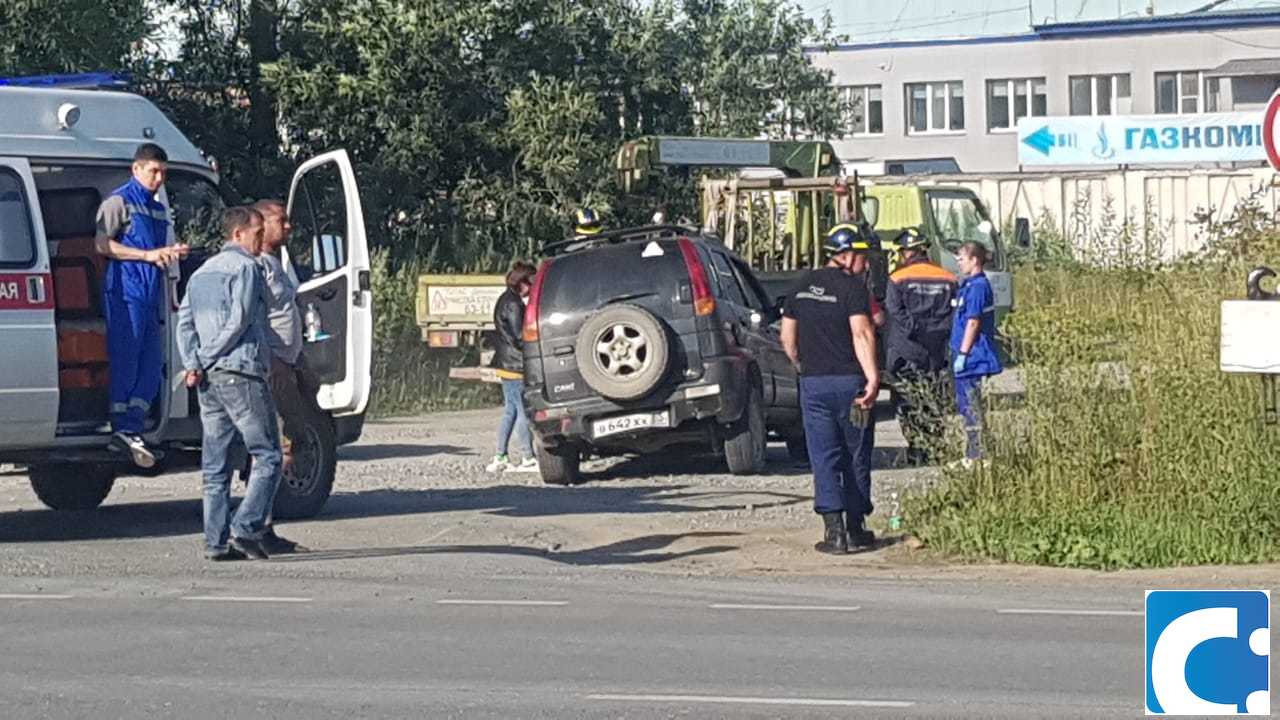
(786, 388)
(28, 337)
(751, 334)
(329, 253)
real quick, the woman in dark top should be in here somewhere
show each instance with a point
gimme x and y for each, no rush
(508, 361)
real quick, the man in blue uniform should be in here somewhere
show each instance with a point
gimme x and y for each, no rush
(828, 333)
(973, 344)
(133, 232)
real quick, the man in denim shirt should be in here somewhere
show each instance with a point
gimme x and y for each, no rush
(223, 338)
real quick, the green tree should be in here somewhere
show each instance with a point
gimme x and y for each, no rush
(214, 90)
(479, 126)
(40, 37)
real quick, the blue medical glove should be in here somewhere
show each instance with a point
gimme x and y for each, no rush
(957, 367)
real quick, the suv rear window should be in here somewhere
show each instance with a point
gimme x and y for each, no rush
(594, 278)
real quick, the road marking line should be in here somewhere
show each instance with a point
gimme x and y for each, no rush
(1065, 611)
(529, 603)
(730, 700)
(823, 608)
(33, 596)
(244, 599)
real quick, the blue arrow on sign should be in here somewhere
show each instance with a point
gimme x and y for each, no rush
(1041, 140)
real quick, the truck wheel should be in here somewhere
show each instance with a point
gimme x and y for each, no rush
(744, 447)
(623, 352)
(67, 486)
(305, 488)
(560, 465)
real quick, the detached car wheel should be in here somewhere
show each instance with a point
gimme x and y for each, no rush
(623, 352)
(745, 446)
(305, 487)
(67, 486)
(560, 465)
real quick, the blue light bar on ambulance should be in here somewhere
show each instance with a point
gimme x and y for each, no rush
(81, 80)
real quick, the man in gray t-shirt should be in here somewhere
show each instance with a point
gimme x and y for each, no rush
(293, 397)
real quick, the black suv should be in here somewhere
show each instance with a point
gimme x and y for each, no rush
(641, 339)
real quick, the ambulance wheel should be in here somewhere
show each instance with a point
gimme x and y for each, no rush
(305, 487)
(67, 486)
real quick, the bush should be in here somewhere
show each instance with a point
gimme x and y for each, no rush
(1132, 449)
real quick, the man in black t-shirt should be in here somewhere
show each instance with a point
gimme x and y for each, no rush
(828, 333)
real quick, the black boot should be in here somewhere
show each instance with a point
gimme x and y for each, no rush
(860, 538)
(834, 540)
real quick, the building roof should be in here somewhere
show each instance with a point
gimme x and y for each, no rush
(111, 125)
(1246, 67)
(1185, 22)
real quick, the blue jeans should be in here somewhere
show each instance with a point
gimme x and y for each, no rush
(969, 402)
(232, 407)
(839, 452)
(135, 348)
(514, 418)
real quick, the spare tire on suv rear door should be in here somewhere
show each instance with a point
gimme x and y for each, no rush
(623, 352)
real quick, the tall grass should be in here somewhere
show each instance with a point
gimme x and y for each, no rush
(1132, 449)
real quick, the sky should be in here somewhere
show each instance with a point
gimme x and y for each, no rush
(868, 21)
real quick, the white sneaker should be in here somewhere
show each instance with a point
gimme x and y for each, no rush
(498, 464)
(526, 465)
(143, 456)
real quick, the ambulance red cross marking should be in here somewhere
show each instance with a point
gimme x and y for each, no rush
(26, 291)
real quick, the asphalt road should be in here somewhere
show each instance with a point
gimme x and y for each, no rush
(500, 639)
(662, 588)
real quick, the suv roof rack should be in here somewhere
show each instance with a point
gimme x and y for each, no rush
(93, 80)
(642, 233)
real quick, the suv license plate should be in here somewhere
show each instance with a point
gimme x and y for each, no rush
(627, 423)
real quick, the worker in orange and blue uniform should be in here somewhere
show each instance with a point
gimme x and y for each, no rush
(919, 303)
(973, 343)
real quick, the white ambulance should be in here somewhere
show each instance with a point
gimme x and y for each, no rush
(61, 152)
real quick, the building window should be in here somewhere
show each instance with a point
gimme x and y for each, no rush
(1009, 100)
(936, 107)
(1213, 94)
(866, 116)
(1178, 92)
(1100, 95)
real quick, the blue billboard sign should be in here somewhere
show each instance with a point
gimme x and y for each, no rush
(1141, 139)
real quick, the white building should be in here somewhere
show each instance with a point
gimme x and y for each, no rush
(947, 106)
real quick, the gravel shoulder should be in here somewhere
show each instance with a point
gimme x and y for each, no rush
(416, 487)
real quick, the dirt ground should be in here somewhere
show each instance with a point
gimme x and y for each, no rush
(412, 483)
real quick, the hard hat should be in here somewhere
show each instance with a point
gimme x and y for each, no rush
(588, 222)
(910, 239)
(847, 238)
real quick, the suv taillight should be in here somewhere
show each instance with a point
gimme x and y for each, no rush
(535, 299)
(704, 303)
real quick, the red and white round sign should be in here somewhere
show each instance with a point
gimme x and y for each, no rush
(1271, 131)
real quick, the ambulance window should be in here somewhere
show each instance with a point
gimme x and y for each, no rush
(17, 237)
(318, 244)
(197, 210)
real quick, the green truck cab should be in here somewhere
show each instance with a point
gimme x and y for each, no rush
(948, 216)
